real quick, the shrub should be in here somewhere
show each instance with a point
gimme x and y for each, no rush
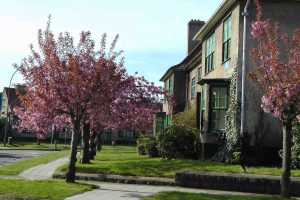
(145, 139)
(178, 141)
(151, 149)
(186, 118)
(296, 145)
(295, 154)
(141, 150)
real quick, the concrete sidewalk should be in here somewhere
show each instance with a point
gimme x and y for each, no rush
(44, 171)
(113, 191)
(117, 191)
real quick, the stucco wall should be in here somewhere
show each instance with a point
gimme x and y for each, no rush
(264, 128)
(191, 102)
(224, 70)
(179, 92)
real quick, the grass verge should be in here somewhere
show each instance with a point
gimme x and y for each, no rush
(123, 160)
(170, 195)
(52, 190)
(18, 167)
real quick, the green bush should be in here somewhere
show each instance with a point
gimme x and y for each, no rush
(295, 154)
(145, 139)
(186, 118)
(151, 149)
(141, 150)
(296, 145)
(178, 141)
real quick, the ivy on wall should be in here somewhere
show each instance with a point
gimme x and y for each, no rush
(229, 141)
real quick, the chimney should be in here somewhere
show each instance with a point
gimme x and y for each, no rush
(193, 27)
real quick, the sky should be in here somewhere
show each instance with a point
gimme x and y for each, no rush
(153, 34)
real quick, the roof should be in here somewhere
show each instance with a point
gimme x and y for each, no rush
(182, 66)
(0, 100)
(213, 80)
(12, 94)
(214, 19)
(217, 16)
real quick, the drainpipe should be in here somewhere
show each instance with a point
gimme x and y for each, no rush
(245, 14)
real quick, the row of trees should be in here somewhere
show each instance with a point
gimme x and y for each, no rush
(86, 89)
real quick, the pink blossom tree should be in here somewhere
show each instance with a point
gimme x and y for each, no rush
(278, 75)
(77, 85)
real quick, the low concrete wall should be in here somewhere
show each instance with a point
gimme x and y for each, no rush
(119, 179)
(234, 182)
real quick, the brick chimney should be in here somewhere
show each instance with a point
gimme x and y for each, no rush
(193, 27)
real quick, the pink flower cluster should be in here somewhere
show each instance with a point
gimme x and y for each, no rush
(69, 85)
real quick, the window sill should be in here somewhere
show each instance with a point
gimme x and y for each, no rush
(225, 61)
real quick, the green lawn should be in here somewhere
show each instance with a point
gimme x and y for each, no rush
(197, 196)
(124, 160)
(52, 190)
(18, 167)
(33, 145)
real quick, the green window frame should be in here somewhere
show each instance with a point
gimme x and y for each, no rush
(203, 96)
(209, 53)
(166, 88)
(199, 73)
(159, 124)
(171, 85)
(168, 120)
(193, 88)
(226, 39)
(218, 107)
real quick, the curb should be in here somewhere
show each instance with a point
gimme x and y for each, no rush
(119, 179)
(29, 149)
(250, 183)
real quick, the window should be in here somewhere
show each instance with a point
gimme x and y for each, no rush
(167, 120)
(199, 73)
(218, 108)
(166, 88)
(171, 85)
(159, 124)
(209, 53)
(193, 88)
(226, 38)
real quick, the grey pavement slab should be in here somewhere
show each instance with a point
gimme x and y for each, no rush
(10, 156)
(43, 171)
(117, 191)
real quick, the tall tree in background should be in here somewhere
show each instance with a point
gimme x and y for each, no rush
(278, 75)
(73, 85)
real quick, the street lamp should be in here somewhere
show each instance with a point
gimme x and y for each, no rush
(8, 105)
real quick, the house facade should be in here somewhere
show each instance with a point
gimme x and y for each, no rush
(204, 78)
(181, 79)
(0, 101)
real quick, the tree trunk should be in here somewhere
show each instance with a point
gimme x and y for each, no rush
(85, 157)
(99, 141)
(286, 160)
(70, 176)
(92, 145)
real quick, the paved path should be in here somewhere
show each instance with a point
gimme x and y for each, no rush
(111, 191)
(116, 191)
(10, 156)
(43, 171)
